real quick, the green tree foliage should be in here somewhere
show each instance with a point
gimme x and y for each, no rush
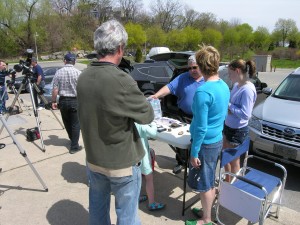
(192, 38)
(212, 37)
(245, 37)
(230, 40)
(138, 55)
(285, 27)
(156, 36)
(59, 25)
(261, 39)
(15, 22)
(136, 35)
(175, 40)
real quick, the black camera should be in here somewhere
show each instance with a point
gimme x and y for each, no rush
(24, 66)
(8, 72)
(5, 73)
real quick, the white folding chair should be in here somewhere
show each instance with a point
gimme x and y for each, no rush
(252, 192)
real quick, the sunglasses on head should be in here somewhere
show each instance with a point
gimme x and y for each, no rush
(193, 67)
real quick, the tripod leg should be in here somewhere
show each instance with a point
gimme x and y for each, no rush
(19, 99)
(14, 102)
(36, 115)
(46, 103)
(23, 153)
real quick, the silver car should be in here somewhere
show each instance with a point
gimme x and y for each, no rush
(48, 92)
(275, 123)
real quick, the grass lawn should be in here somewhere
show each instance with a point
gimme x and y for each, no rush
(285, 63)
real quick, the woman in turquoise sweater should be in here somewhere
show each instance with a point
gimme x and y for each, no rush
(209, 108)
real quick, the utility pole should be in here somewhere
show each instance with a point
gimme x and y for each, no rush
(35, 36)
(145, 50)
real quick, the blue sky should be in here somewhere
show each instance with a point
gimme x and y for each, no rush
(254, 12)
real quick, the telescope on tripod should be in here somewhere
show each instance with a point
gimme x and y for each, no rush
(27, 72)
(25, 68)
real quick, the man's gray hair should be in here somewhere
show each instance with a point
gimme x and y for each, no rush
(108, 37)
(192, 59)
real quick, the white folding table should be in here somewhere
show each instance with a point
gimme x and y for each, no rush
(178, 137)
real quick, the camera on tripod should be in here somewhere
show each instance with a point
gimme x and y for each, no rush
(11, 73)
(24, 66)
(5, 73)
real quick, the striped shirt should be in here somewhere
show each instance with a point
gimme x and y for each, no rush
(65, 80)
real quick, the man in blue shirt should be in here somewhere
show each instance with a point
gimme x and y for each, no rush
(38, 75)
(183, 87)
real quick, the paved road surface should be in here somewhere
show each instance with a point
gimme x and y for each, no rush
(292, 192)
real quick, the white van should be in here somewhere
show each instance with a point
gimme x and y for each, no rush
(157, 50)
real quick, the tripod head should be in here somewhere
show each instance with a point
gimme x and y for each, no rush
(24, 66)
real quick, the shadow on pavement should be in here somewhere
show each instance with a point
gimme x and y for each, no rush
(67, 212)
(73, 172)
(56, 141)
(166, 191)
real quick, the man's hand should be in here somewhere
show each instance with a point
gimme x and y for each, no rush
(195, 162)
(54, 105)
(152, 96)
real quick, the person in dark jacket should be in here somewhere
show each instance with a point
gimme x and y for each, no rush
(109, 103)
(39, 77)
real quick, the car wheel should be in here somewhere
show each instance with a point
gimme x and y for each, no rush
(148, 93)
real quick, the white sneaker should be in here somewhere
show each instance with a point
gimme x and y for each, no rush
(40, 108)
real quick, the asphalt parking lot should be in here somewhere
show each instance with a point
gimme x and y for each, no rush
(23, 200)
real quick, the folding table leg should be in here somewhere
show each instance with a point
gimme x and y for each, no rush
(185, 178)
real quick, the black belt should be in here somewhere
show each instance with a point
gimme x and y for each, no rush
(66, 97)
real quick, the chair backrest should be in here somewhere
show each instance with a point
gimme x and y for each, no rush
(229, 154)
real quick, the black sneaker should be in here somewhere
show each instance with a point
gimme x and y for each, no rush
(74, 150)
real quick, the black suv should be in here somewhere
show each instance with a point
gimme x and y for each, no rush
(155, 73)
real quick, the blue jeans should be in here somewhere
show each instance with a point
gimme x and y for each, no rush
(126, 191)
(3, 98)
(203, 179)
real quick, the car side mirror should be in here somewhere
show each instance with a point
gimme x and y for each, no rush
(267, 91)
(263, 85)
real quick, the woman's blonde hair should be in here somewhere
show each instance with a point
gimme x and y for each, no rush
(208, 59)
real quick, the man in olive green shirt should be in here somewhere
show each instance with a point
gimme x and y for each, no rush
(109, 102)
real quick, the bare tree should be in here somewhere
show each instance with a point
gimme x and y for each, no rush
(166, 13)
(188, 18)
(103, 10)
(191, 17)
(64, 6)
(206, 20)
(130, 9)
(235, 22)
(29, 7)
